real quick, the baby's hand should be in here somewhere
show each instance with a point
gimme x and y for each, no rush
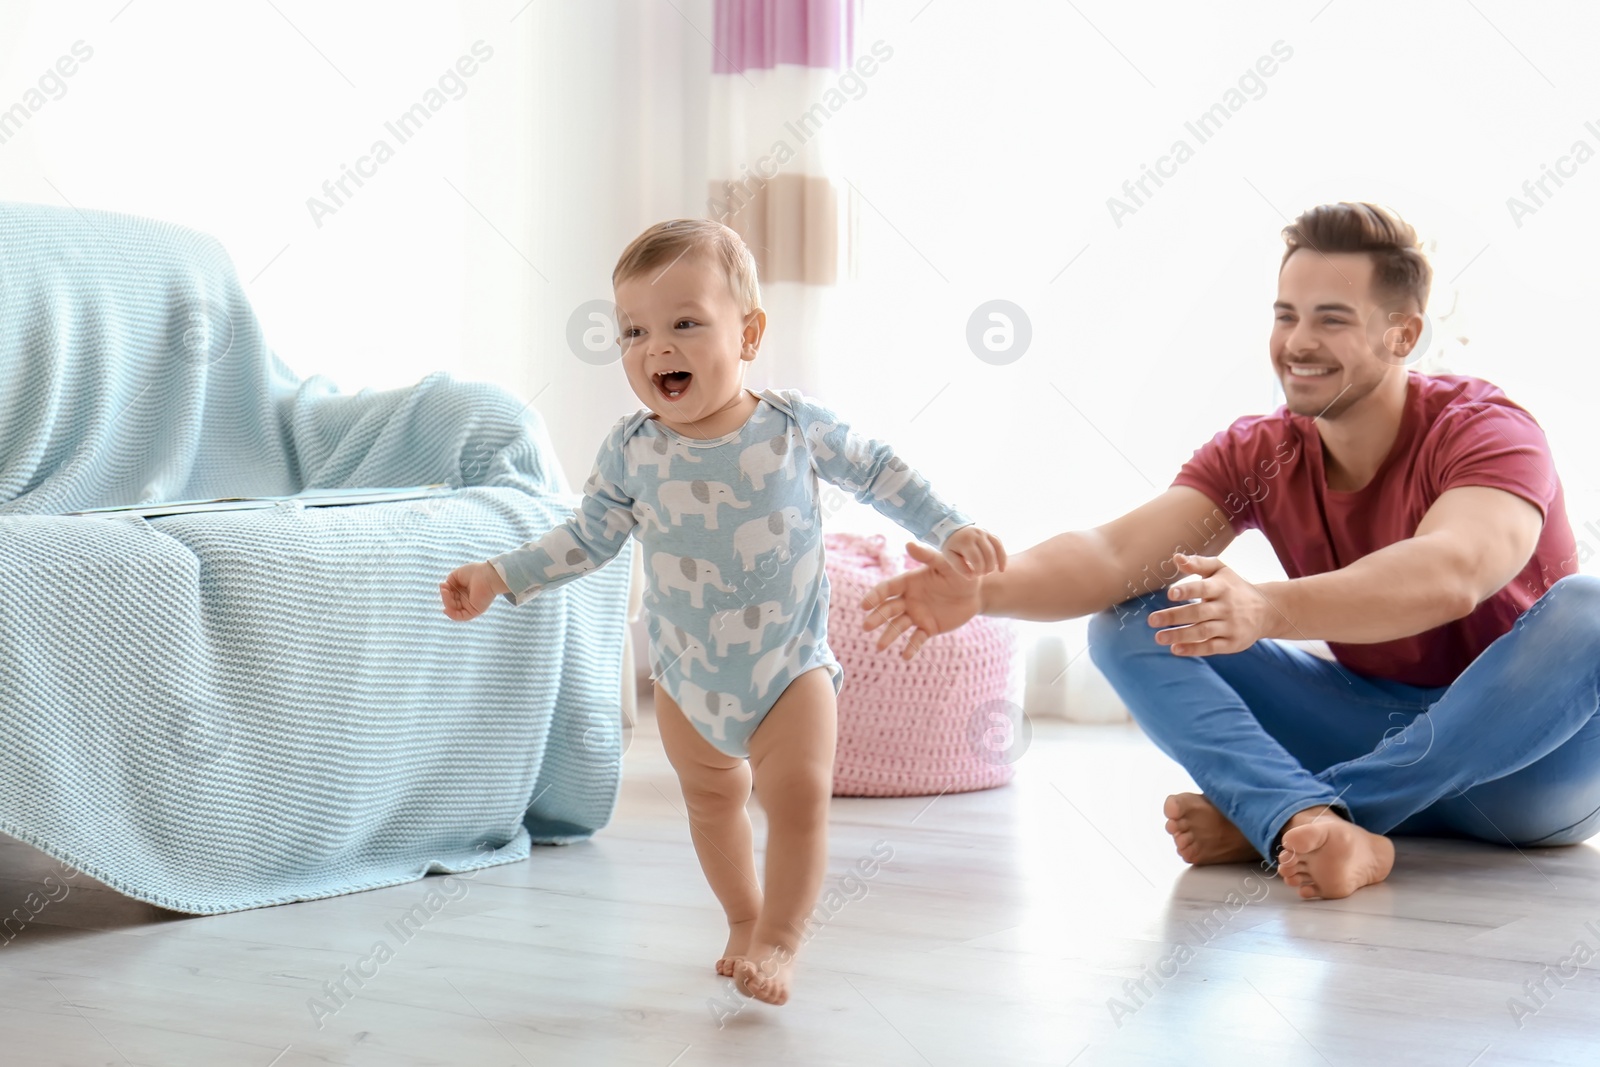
(469, 590)
(974, 552)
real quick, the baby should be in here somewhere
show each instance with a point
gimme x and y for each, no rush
(720, 486)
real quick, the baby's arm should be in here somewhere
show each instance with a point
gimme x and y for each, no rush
(594, 535)
(871, 472)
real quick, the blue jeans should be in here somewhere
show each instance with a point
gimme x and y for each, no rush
(1509, 752)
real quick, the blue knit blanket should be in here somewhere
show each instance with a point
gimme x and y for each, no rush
(224, 711)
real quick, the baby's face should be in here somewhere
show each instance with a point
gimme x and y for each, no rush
(684, 341)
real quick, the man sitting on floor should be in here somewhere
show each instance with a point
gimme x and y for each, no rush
(1424, 532)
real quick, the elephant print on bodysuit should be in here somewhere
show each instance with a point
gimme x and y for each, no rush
(731, 528)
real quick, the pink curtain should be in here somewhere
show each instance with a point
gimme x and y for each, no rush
(760, 34)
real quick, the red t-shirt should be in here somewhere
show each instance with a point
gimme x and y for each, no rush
(1266, 473)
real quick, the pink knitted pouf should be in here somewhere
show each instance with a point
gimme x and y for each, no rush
(924, 727)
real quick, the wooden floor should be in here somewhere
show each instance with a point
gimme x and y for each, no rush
(1009, 927)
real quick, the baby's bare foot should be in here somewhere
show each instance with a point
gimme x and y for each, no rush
(738, 945)
(1324, 856)
(764, 973)
(1203, 834)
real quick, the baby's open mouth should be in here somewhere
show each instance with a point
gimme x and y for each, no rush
(672, 384)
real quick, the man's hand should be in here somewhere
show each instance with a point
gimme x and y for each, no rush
(974, 552)
(1230, 614)
(930, 600)
(469, 590)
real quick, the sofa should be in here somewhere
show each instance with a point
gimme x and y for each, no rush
(212, 711)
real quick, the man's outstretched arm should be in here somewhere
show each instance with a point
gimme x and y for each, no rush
(1085, 571)
(1069, 575)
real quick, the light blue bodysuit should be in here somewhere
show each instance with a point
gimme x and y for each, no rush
(737, 596)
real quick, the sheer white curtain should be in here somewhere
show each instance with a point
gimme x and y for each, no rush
(781, 74)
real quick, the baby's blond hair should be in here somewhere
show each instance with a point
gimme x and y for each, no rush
(665, 242)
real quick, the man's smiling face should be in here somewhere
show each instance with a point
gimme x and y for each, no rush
(685, 341)
(1333, 339)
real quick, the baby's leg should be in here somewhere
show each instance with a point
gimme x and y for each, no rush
(791, 754)
(716, 788)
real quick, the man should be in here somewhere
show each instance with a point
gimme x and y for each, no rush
(1424, 532)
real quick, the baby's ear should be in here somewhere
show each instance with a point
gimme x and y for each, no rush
(755, 327)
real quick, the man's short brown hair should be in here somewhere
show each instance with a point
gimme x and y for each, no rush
(663, 244)
(1400, 272)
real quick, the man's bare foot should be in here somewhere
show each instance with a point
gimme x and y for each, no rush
(738, 945)
(1203, 834)
(764, 973)
(1325, 856)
